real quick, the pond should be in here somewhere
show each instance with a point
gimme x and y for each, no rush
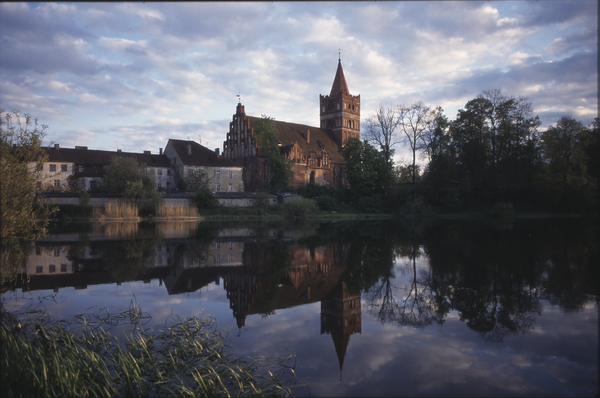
(378, 308)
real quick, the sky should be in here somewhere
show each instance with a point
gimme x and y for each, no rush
(132, 75)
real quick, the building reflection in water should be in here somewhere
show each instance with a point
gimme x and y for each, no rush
(259, 276)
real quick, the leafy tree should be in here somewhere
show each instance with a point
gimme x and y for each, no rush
(21, 159)
(128, 178)
(279, 168)
(366, 169)
(196, 180)
(204, 199)
(380, 130)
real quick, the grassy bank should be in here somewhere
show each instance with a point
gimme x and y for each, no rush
(80, 358)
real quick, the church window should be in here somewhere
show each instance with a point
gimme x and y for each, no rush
(338, 106)
(345, 106)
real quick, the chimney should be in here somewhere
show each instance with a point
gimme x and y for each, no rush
(118, 150)
(307, 136)
(147, 152)
(56, 146)
(188, 149)
(83, 148)
(160, 151)
(217, 150)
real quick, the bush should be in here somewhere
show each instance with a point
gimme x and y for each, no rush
(204, 199)
(327, 203)
(300, 207)
(415, 207)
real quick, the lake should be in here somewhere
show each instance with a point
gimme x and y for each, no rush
(370, 308)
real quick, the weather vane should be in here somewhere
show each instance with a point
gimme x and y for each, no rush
(238, 96)
(339, 54)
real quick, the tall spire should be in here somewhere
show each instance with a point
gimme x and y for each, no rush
(339, 83)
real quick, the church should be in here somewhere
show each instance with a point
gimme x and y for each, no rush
(315, 152)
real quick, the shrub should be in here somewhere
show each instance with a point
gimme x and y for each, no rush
(300, 207)
(204, 199)
(503, 210)
(327, 203)
(415, 207)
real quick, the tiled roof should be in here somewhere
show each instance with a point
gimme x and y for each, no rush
(290, 133)
(339, 83)
(95, 157)
(201, 156)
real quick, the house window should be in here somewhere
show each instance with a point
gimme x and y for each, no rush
(230, 258)
(63, 268)
(57, 183)
(159, 172)
(81, 168)
(218, 245)
(230, 189)
(52, 268)
(39, 269)
(230, 175)
(63, 168)
(218, 187)
(56, 252)
(218, 258)
(230, 245)
(52, 167)
(168, 172)
(93, 184)
(96, 169)
(190, 172)
(218, 173)
(159, 185)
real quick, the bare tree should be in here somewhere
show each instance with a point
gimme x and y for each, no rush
(414, 121)
(380, 130)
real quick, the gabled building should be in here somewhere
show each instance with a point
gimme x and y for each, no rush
(316, 152)
(74, 169)
(224, 175)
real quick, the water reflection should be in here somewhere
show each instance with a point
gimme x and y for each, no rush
(414, 275)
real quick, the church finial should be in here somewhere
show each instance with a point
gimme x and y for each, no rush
(239, 99)
(339, 55)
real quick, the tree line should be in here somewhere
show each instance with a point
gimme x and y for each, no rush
(493, 153)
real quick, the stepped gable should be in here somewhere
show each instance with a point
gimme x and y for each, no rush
(289, 134)
(200, 155)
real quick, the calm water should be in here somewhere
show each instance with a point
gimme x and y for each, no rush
(369, 308)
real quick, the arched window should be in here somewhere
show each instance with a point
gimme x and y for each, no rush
(312, 177)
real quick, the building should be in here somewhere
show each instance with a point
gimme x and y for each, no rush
(224, 175)
(74, 169)
(316, 152)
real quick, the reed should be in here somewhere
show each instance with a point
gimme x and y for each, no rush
(176, 211)
(115, 210)
(80, 358)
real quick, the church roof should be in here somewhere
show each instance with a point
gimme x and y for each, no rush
(319, 139)
(339, 83)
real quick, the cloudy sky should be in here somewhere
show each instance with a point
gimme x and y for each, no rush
(132, 75)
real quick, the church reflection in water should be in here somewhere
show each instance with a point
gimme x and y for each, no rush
(259, 276)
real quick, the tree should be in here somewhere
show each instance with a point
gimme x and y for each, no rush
(24, 218)
(279, 168)
(414, 121)
(367, 170)
(380, 130)
(563, 149)
(128, 178)
(196, 180)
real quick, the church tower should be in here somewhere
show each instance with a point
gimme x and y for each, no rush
(340, 111)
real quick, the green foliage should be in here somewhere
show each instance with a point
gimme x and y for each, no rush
(299, 208)
(366, 169)
(415, 207)
(128, 178)
(196, 180)
(205, 199)
(186, 358)
(278, 166)
(23, 217)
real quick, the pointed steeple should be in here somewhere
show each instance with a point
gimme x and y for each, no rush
(339, 83)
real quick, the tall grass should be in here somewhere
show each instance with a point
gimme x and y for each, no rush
(176, 211)
(115, 210)
(187, 358)
(116, 230)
